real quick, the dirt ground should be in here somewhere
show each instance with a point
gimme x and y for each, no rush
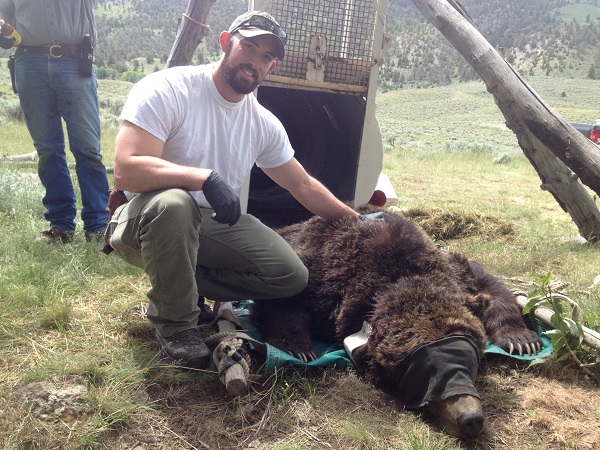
(550, 406)
(553, 405)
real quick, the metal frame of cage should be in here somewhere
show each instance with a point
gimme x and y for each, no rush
(330, 43)
(335, 46)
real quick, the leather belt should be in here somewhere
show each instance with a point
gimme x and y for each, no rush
(54, 50)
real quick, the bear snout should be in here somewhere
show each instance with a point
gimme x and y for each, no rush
(460, 415)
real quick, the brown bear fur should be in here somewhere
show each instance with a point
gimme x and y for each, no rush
(391, 274)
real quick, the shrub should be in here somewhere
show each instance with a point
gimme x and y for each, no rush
(11, 109)
(132, 76)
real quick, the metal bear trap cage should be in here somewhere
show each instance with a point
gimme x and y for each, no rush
(323, 92)
(332, 44)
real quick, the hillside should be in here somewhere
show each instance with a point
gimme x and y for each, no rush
(540, 37)
(129, 29)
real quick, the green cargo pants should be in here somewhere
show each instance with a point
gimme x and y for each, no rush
(186, 254)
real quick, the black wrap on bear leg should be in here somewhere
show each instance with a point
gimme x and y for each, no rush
(438, 370)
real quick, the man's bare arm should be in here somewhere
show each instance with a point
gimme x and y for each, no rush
(139, 168)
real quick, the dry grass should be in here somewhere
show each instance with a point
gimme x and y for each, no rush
(445, 225)
(525, 410)
(549, 407)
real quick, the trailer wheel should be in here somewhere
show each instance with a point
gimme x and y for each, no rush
(325, 130)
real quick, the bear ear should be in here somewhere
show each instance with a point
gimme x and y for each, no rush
(361, 357)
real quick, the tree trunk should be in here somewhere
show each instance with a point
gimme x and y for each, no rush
(558, 152)
(190, 32)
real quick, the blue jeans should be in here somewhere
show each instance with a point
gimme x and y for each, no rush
(50, 89)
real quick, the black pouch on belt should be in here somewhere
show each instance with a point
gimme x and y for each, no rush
(11, 69)
(87, 57)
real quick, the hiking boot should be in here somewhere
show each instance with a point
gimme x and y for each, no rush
(55, 236)
(186, 349)
(95, 236)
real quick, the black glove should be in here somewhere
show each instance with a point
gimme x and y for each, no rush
(380, 215)
(222, 199)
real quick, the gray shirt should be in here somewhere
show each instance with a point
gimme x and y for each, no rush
(44, 22)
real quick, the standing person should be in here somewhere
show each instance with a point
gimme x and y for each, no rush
(189, 137)
(55, 81)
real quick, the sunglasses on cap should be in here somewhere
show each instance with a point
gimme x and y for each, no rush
(263, 23)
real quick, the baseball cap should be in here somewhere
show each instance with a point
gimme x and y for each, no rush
(255, 23)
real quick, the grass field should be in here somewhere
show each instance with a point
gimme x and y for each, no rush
(452, 151)
(72, 329)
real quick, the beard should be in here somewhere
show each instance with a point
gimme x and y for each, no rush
(238, 83)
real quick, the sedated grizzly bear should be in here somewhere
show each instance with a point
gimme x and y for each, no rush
(430, 312)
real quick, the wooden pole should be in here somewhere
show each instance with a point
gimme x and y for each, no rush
(235, 377)
(590, 337)
(25, 157)
(558, 152)
(191, 30)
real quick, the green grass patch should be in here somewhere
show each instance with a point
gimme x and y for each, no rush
(74, 317)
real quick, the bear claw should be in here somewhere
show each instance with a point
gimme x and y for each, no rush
(304, 357)
(529, 348)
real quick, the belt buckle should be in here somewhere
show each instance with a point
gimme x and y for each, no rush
(58, 49)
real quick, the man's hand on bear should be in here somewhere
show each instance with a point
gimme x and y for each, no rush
(223, 200)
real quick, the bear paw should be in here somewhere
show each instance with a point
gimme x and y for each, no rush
(518, 341)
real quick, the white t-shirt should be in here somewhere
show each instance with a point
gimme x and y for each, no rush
(182, 107)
